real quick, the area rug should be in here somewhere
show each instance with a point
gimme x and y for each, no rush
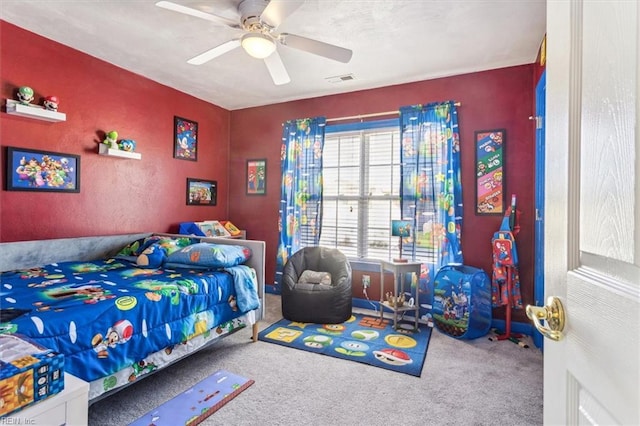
(198, 402)
(361, 338)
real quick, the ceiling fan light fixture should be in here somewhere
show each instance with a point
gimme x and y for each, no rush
(258, 45)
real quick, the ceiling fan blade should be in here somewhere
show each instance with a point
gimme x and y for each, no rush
(214, 53)
(197, 13)
(316, 47)
(276, 68)
(277, 11)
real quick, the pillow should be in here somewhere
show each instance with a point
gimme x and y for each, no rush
(168, 243)
(315, 277)
(131, 249)
(210, 255)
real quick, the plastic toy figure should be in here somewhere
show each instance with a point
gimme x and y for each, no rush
(112, 140)
(51, 103)
(25, 95)
(127, 145)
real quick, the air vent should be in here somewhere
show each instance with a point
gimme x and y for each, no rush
(341, 78)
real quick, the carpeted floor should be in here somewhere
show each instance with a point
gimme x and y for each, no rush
(477, 382)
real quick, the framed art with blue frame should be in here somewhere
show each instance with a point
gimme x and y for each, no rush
(42, 171)
(185, 139)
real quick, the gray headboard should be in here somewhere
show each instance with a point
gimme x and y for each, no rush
(29, 254)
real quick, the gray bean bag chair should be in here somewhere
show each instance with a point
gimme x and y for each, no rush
(316, 286)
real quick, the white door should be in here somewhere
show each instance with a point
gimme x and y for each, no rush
(592, 217)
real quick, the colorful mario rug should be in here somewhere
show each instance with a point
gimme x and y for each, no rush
(361, 338)
(198, 402)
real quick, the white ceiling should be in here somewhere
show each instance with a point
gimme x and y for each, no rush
(393, 42)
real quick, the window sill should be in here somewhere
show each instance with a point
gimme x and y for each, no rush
(365, 265)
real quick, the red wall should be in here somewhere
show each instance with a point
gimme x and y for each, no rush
(121, 195)
(116, 195)
(494, 99)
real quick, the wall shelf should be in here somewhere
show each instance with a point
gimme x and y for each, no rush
(105, 150)
(34, 111)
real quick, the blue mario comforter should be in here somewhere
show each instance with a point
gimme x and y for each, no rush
(109, 314)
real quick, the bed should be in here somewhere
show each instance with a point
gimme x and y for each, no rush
(121, 307)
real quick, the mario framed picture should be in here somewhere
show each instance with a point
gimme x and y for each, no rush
(257, 177)
(490, 190)
(201, 192)
(42, 171)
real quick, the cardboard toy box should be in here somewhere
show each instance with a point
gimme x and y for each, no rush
(28, 373)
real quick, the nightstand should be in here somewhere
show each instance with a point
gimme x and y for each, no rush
(69, 407)
(399, 270)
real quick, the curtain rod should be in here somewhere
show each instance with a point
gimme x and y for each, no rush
(375, 114)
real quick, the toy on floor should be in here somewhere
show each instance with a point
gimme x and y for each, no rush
(496, 334)
(505, 285)
(462, 301)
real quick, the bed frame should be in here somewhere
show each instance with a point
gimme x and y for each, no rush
(30, 254)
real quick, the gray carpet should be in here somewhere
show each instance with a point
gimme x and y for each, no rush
(475, 382)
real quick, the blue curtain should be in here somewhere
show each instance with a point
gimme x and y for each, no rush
(300, 214)
(431, 190)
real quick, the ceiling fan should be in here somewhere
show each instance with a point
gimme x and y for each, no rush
(259, 38)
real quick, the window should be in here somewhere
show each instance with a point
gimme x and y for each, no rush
(361, 175)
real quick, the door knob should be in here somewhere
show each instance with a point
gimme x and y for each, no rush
(553, 313)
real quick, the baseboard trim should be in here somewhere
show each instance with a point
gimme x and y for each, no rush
(516, 327)
(271, 289)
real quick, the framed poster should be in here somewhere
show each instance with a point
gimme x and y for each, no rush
(42, 171)
(490, 190)
(201, 192)
(256, 177)
(185, 139)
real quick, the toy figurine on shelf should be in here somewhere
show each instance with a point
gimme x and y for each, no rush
(51, 103)
(25, 95)
(128, 145)
(112, 140)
